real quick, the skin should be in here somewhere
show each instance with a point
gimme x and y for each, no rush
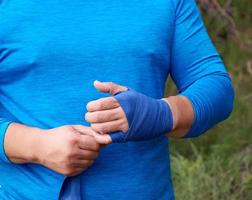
(71, 149)
(106, 115)
(68, 150)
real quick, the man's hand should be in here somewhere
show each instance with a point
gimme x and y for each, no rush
(68, 150)
(128, 115)
(105, 114)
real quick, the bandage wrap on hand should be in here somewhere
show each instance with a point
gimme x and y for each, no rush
(147, 117)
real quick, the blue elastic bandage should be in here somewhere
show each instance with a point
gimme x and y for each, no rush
(148, 118)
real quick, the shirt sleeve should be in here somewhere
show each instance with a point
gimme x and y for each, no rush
(3, 127)
(198, 70)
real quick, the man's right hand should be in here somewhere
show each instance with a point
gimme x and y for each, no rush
(68, 150)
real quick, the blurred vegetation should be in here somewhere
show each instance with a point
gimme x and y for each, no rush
(218, 165)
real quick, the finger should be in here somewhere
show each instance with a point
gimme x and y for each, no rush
(82, 154)
(82, 164)
(102, 104)
(103, 139)
(109, 87)
(89, 143)
(106, 127)
(76, 171)
(86, 140)
(84, 130)
(104, 115)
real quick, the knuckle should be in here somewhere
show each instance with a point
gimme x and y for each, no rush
(99, 105)
(113, 90)
(73, 140)
(107, 116)
(103, 105)
(111, 87)
(67, 128)
(95, 127)
(98, 128)
(98, 117)
(103, 128)
(102, 117)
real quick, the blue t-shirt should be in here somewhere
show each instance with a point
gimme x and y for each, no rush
(51, 52)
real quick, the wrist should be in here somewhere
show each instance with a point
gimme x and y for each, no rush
(22, 143)
(174, 110)
(36, 144)
(183, 115)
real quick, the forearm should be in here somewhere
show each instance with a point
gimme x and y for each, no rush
(68, 150)
(21, 143)
(183, 115)
(202, 105)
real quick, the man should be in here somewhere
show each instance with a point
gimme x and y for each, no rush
(50, 54)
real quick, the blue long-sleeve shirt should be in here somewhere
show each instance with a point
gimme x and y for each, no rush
(52, 51)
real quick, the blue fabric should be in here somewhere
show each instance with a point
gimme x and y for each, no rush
(206, 103)
(3, 126)
(148, 118)
(52, 51)
(71, 189)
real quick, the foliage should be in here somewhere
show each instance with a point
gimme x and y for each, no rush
(218, 165)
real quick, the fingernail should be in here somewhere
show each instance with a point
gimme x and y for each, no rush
(96, 81)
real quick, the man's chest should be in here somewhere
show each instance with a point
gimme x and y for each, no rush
(73, 33)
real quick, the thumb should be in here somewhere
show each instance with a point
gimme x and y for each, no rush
(109, 87)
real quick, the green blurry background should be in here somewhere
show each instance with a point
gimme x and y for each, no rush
(218, 165)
